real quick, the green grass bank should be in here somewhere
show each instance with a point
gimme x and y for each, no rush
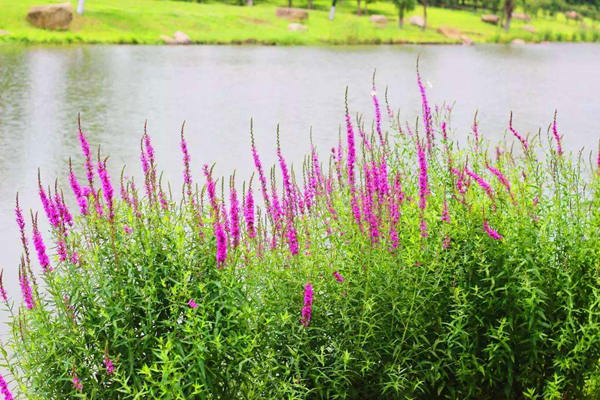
(144, 21)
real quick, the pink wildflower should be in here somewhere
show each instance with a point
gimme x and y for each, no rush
(249, 213)
(517, 135)
(4, 389)
(308, 300)
(338, 277)
(38, 242)
(557, 136)
(108, 363)
(491, 232)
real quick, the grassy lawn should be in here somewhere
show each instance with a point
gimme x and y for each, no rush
(143, 21)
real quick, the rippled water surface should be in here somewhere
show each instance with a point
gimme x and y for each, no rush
(218, 89)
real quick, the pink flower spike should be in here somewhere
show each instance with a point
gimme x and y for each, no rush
(77, 382)
(4, 389)
(308, 300)
(557, 136)
(491, 232)
(110, 368)
(338, 277)
(127, 229)
(192, 303)
(517, 135)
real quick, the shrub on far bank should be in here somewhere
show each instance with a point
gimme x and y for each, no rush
(403, 266)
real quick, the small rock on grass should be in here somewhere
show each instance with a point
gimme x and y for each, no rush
(294, 27)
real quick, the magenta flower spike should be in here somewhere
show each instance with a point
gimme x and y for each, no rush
(221, 244)
(445, 215)
(258, 165)
(481, 182)
(491, 232)
(351, 150)
(234, 216)
(108, 364)
(517, 135)
(308, 300)
(127, 229)
(498, 174)
(40, 248)
(427, 119)
(557, 137)
(192, 303)
(338, 277)
(76, 382)
(210, 188)
(49, 206)
(4, 389)
(475, 129)
(249, 213)
(21, 224)
(423, 178)
(107, 189)
(292, 237)
(187, 175)
(26, 288)
(2, 290)
(288, 199)
(377, 117)
(89, 166)
(78, 192)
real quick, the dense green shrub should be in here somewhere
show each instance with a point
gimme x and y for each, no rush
(409, 269)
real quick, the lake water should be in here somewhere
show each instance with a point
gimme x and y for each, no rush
(217, 89)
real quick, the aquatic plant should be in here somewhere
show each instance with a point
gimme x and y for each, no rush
(401, 267)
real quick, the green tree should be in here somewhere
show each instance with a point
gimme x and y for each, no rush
(402, 6)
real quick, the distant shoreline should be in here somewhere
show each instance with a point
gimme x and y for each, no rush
(152, 22)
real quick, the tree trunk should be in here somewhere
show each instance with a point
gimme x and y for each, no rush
(401, 18)
(424, 14)
(365, 11)
(80, 5)
(332, 10)
(358, 11)
(310, 4)
(509, 6)
(250, 3)
(290, 3)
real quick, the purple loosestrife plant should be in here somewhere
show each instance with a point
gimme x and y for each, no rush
(25, 288)
(377, 110)
(427, 118)
(491, 232)
(48, 204)
(234, 215)
(108, 364)
(249, 212)
(498, 174)
(338, 277)
(77, 191)
(4, 389)
(2, 291)
(481, 182)
(187, 175)
(107, 189)
(40, 248)
(557, 137)
(259, 169)
(221, 244)
(308, 301)
(21, 224)
(517, 135)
